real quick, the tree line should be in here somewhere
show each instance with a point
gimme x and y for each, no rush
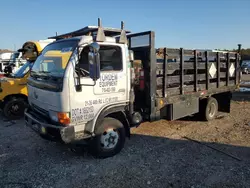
(245, 53)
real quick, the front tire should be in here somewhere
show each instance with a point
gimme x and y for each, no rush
(109, 140)
(14, 108)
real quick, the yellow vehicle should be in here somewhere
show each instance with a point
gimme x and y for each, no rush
(13, 89)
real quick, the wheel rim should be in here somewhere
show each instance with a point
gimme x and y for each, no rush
(212, 109)
(15, 109)
(109, 139)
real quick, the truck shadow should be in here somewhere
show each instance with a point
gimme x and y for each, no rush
(241, 96)
(176, 163)
(139, 145)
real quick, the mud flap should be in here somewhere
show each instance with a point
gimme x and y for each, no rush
(224, 101)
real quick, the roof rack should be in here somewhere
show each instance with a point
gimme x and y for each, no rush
(90, 31)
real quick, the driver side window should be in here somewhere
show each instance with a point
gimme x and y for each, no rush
(84, 62)
(110, 59)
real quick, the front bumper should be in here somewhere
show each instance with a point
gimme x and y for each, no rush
(50, 131)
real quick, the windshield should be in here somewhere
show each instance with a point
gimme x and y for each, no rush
(23, 70)
(54, 59)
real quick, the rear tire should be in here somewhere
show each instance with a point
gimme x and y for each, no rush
(14, 108)
(109, 140)
(209, 109)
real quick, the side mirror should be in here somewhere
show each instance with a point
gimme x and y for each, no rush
(131, 55)
(94, 61)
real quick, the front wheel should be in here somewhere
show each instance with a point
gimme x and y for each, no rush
(109, 140)
(14, 108)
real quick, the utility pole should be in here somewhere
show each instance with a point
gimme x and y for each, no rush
(239, 51)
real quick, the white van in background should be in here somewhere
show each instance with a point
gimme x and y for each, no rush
(15, 61)
(5, 56)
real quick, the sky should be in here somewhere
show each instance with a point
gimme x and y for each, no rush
(200, 24)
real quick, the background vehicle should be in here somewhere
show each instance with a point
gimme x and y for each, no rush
(5, 56)
(13, 90)
(95, 96)
(245, 67)
(11, 64)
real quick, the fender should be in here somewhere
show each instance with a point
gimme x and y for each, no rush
(113, 110)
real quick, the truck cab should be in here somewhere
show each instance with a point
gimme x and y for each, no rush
(13, 90)
(82, 88)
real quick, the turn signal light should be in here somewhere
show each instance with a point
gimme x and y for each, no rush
(63, 118)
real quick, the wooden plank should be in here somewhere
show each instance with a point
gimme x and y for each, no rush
(181, 70)
(173, 91)
(159, 73)
(187, 78)
(174, 67)
(237, 64)
(188, 89)
(195, 70)
(187, 65)
(227, 70)
(218, 68)
(231, 82)
(165, 79)
(207, 71)
(223, 74)
(213, 85)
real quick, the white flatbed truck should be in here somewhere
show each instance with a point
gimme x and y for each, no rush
(83, 88)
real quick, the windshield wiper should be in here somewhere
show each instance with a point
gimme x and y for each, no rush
(33, 73)
(45, 75)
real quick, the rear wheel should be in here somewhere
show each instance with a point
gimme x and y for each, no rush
(209, 109)
(109, 140)
(14, 108)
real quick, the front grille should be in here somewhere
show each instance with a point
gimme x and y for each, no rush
(40, 110)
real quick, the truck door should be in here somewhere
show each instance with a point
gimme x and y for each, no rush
(143, 46)
(109, 88)
(113, 78)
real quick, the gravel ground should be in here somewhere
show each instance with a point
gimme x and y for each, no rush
(157, 155)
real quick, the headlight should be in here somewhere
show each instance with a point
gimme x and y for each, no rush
(61, 117)
(53, 116)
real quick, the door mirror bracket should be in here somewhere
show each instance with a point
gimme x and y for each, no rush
(94, 61)
(94, 65)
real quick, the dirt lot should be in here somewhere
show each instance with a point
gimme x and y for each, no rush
(157, 155)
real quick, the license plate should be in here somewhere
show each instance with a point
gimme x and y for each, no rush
(39, 129)
(43, 130)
